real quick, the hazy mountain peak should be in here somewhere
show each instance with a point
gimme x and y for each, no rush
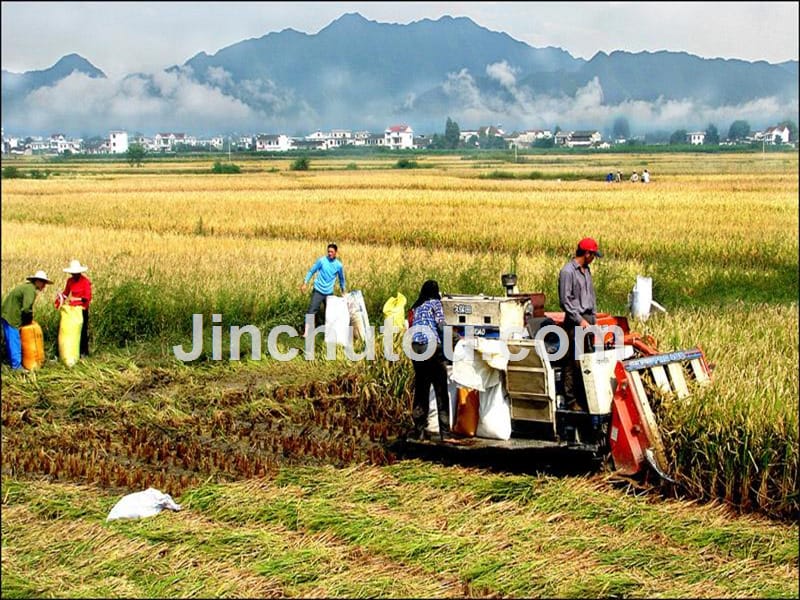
(362, 74)
(74, 62)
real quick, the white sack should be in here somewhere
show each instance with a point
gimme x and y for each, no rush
(142, 504)
(470, 370)
(337, 320)
(494, 352)
(358, 313)
(494, 419)
(642, 298)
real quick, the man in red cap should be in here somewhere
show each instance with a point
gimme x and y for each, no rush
(577, 299)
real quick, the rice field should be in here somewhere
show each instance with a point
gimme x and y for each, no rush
(717, 233)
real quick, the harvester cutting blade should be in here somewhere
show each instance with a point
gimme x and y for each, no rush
(635, 437)
(651, 460)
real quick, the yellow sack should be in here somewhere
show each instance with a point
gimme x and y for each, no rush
(395, 308)
(32, 341)
(69, 334)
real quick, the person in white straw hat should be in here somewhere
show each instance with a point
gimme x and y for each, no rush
(17, 310)
(78, 292)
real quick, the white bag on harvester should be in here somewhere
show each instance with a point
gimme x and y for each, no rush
(494, 420)
(358, 313)
(142, 504)
(641, 298)
(337, 321)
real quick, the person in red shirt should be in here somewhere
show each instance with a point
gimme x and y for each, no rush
(78, 292)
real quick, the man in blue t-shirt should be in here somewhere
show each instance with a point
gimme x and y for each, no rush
(328, 269)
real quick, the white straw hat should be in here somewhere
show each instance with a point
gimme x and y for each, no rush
(39, 275)
(75, 266)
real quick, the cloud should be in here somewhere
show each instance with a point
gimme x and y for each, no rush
(163, 101)
(521, 108)
(215, 103)
(502, 73)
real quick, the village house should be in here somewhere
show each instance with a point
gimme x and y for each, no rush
(490, 131)
(696, 138)
(528, 137)
(166, 142)
(273, 143)
(776, 135)
(360, 138)
(117, 142)
(399, 137)
(307, 144)
(464, 136)
(375, 139)
(562, 137)
(584, 139)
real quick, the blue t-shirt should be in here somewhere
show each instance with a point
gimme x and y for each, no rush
(327, 271)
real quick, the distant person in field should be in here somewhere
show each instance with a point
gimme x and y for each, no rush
(645, 176)
(429, 318)
(634, 177)
(17, 310)
(618, 177)
(78, 292)
(327, 269)
(610, 177)
(577, 299)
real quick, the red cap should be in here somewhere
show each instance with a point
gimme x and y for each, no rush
(590, 245)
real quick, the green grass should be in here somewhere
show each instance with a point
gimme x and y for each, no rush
(387, 532)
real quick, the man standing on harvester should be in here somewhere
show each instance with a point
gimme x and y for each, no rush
(577, 299)
(328, 269)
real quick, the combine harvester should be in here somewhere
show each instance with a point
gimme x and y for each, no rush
(621, 382)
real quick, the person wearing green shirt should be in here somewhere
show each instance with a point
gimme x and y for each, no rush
(17, 310)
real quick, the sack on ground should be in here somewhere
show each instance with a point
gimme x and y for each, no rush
(32, 341)
(142, 504)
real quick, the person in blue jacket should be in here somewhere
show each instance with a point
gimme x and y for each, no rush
(327, 269)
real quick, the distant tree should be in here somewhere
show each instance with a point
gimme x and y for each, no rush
(135, 154)
(225, 168)
(300, 164)
(473, 141)
(557, 130)
(712, 136)
(437, 142)
(452, 134)
(621, 128)
(739, 130)
(792, 129)
(492, 142)
(547, 142)
(678, 137)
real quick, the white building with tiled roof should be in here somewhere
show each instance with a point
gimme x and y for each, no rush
(399, 137)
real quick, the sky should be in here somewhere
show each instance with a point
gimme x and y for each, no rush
(121, 38)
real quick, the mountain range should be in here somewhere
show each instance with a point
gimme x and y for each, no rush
(361, 74)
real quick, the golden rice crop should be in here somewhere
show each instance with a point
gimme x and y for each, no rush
(717, 233)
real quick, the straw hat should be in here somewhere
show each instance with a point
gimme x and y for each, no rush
(75, 266)
(39, 275)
